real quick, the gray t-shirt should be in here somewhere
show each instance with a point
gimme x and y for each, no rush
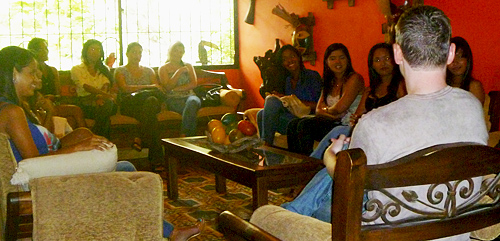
(415, 122)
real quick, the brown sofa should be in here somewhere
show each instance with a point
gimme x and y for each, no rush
(231, 99)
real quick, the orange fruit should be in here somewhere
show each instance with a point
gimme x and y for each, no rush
(219, 135)
(212, 124)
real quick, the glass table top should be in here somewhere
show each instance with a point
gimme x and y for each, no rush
(259, 156)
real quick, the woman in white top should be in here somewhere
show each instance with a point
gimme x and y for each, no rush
(179, 80)
(93, 82)
(340, 97)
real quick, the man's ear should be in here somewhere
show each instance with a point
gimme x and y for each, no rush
(14, 74)
(451, 53)
(398, 53)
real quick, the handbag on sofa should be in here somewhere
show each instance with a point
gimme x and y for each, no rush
(295, 106)
(133, 102)
(209, 94)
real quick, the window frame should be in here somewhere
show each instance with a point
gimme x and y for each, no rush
(119, 33)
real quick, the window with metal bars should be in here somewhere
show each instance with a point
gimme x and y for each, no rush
(207, 28)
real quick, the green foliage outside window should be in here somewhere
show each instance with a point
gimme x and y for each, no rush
(155, 24)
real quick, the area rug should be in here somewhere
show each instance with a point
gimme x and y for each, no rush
(198, 198)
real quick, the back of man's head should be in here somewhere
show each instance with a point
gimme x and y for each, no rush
(424, 34)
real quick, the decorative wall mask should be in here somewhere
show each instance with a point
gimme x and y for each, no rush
(302, 37)
(392, 13)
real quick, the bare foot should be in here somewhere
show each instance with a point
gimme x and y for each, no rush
(186, 233)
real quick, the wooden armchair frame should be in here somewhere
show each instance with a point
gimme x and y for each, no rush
(19, 216)
(438, 164)
(494, 110)
(32, 214)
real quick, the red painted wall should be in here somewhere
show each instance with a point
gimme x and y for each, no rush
(359, 28)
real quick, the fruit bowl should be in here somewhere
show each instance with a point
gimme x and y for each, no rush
(241, 144)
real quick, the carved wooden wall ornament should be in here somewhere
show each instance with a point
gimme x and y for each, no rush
(302, 37)
(392, 13)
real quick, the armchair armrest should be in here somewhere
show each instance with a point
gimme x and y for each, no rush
(19, 216)
(235, 228)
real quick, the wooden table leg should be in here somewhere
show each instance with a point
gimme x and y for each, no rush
(220, 184)
(172, 188)
(259, 193)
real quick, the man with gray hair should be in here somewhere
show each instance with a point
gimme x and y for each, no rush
(432, 113)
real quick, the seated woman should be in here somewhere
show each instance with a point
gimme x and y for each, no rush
(49, 88)
(179, 80)
(301, 82)
(342, 91)
(93, 82)
(18, 74)
(143, 106)
(459, 72)
(386, 85)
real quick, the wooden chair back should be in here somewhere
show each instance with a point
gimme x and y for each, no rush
(439, 164)
(494, 110)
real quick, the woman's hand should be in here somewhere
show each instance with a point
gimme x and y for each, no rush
(330, 156)
(93, 143)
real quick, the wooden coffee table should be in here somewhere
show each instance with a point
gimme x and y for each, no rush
(261, 169)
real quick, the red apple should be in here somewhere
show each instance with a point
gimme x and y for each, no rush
(247, 128)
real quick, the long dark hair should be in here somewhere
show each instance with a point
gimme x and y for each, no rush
(462, 44)
(99, 66)
(34, 44)
(328, 74)
(279, 59)
(12, 57)
(375, 79)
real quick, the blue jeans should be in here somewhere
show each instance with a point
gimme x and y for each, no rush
(315, 200)
(125, 166)
(325, 142)
(188, 107)
(167, 229)
(274, 117)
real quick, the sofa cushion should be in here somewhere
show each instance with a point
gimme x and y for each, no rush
(286, 225)
(105, 206)
(93, 161)
(231, 97)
